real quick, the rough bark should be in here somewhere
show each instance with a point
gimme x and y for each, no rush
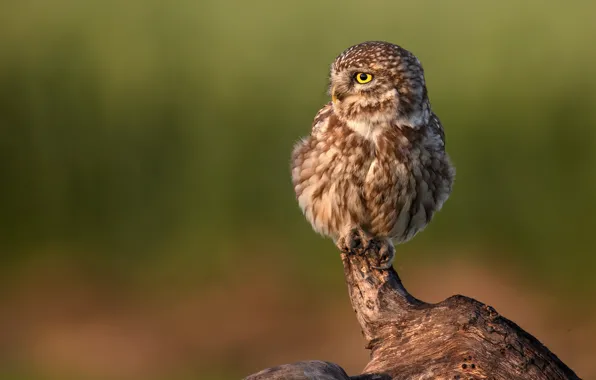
(458, 338)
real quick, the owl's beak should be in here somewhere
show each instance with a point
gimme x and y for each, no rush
(333, 96)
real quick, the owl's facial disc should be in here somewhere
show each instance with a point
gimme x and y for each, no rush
(376, 84)
(351, 84)
(365, 98)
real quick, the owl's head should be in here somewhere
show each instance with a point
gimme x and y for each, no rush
(377, 83)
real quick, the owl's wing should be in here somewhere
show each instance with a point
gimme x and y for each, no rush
(435, 125)
(319, 124)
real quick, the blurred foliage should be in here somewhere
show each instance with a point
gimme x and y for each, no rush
(137, 128)
(151, 139)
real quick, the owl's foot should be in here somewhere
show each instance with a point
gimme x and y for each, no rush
(385, 252)
(355, 242)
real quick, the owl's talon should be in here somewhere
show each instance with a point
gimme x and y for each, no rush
(386, 254)
(383, 266)
(356, 242)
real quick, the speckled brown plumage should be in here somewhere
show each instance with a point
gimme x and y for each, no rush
(375, 158)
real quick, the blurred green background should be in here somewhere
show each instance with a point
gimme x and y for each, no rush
(148, 224)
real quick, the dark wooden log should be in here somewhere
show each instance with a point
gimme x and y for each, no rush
(302, 371)
(458, 338)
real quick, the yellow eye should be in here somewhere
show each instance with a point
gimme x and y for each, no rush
(363, 78)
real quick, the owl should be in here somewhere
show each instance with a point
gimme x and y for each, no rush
(374, 166)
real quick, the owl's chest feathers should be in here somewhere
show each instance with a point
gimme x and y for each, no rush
(384, 189)
(343, 178)
(388, 155)
(377, 161)
(388, 152)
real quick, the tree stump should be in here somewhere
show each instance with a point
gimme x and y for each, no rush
(458, 338)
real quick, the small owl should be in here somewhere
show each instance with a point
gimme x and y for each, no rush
(375, 160)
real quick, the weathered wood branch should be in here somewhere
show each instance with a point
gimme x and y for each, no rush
(458, 338)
